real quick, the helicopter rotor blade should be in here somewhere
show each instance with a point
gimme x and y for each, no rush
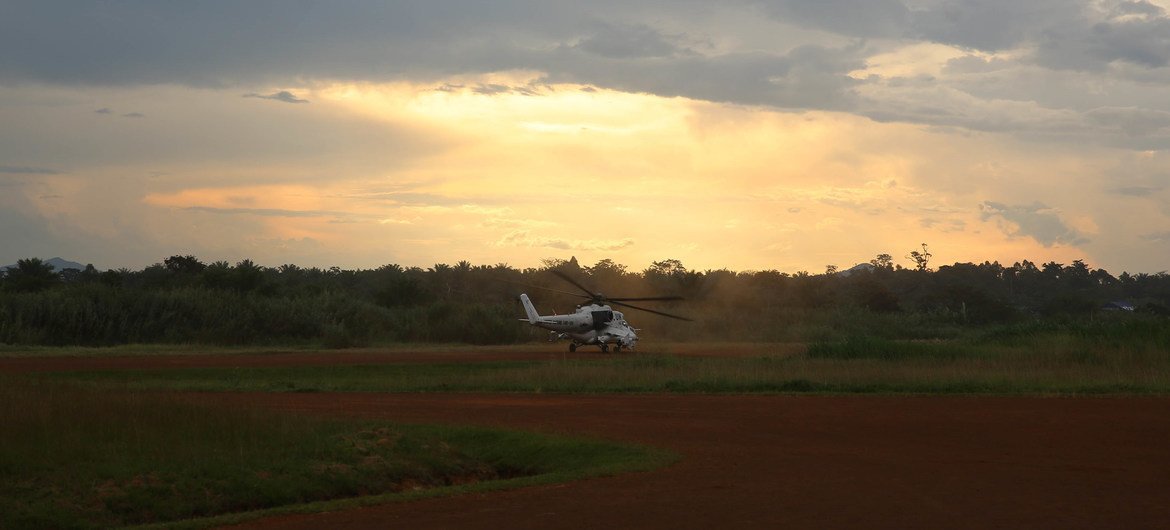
(547, 289)
(563, 276)
(647, 299)
(652, 311)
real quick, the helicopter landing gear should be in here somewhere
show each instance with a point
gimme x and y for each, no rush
(572, 347)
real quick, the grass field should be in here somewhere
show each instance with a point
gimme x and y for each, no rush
(155, 350)
(1051, 365)
(74, 457)
(105, 448)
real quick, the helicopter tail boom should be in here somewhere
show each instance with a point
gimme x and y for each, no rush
(533, 316)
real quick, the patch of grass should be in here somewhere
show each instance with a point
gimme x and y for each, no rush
(74, 457)
(147, 350)
(12, 350)
(1124, 355)
(869, 347)
(870, 367)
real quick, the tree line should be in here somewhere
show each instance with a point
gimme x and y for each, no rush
(185, 300)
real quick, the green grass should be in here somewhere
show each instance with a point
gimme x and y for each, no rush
(73, 457)
(129, 350)
(153, 350)
(1042, 357)
(857, 366)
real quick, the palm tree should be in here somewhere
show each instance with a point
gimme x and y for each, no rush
(31, 275)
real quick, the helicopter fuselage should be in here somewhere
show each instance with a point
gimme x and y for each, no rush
(594, 324)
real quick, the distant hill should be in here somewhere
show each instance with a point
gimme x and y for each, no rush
(59, 264)
(860, 267)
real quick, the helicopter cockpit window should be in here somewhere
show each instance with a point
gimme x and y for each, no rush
(602, 316)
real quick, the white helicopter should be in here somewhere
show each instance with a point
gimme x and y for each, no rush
(594, 322)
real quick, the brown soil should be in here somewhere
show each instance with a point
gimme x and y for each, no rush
(804, 462)
(769, 461)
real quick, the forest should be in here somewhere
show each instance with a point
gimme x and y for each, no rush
(182, 300)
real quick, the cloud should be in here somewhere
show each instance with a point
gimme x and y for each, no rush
(1036, 221)
(974, 64)
(266, 212)
(806, 77)
(610, 46)
(523, 238)
(1131, 121)
(407, 198)
(635, 47)
(630, 41)
(1136, 191)
(109, 111)
(1157, 237)
(505, 222)
(1132, 32)
(491, 89)
(28, 170)
(943, 225)
(856, 18)
(283, 95)
(992, 25)
(218, 44)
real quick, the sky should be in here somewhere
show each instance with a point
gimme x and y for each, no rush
(745, 134)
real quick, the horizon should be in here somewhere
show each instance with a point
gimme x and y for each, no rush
(751, 135)
(585, 266)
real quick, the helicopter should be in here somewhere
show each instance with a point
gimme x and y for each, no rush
(594, 322)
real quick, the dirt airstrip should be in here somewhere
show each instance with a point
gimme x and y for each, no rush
(791, 461)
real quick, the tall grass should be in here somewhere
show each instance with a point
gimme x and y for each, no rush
(72, 457)
(100, 315)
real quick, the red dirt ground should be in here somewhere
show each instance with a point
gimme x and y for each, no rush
(794, 461)
(541, 352)
(805, 462)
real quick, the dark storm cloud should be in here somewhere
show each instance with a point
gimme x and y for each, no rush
(220, 43)
(605, 44)
(1036, 221)
(284, 96)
